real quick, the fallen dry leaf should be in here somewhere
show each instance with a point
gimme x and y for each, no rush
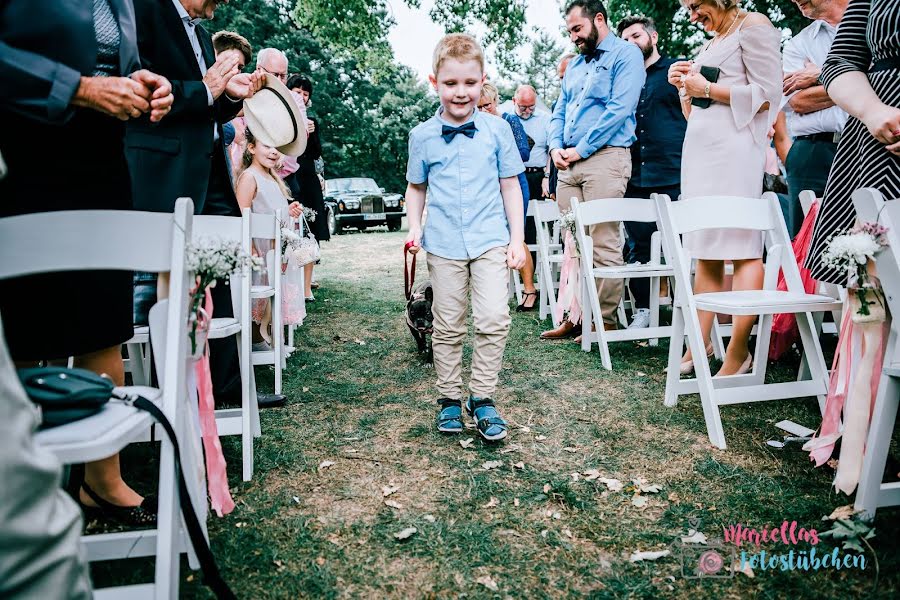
(613, 485)
(491, 464)
(568, 533)
(641, 374)
(513, 448)
(576, 476)
(492, 503)
(406, 533)
(466, 443)
(547, 488)
(693, 537)
(487, 582)
(646, 487)
(393, 504)
(746, 570)
(325, 464)
(297, 499)
(570, 449)
(387, 490)
(519, 465)
(430, 518)
(591, 474)
(524, 429)
(540, 438)
(306, 389)
(841, 512)
(639, 501)
(652, 555)
(515, 501)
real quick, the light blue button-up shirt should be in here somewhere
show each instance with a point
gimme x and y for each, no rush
(466, 216)
(597, 101)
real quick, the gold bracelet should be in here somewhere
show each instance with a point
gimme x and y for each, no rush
(706, 90)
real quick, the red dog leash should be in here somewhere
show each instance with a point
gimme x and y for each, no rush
(409, 272)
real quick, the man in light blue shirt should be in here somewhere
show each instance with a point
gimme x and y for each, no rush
(591, 131)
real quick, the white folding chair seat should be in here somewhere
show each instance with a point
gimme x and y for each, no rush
(261, 291)
(760, 302)
(606, 210)
(125, 241)
(223, 327)
(762, 215)
(873, 493)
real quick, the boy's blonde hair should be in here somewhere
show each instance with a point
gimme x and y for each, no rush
(458, 46)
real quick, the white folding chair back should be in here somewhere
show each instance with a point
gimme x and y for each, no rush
(268, 227)
(130, 241)
(243, 421)
(872, 492)
(549, 255)
(516, 286)
(616, 210)
(762, 215)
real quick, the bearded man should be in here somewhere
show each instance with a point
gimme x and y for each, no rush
(656, 156)
(591, 131)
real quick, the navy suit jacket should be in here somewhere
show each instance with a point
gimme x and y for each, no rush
(174, 158)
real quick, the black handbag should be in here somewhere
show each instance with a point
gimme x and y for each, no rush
(68, 395)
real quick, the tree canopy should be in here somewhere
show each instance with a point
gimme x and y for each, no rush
(366, 102)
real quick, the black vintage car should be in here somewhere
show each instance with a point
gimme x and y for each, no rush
(359, 202)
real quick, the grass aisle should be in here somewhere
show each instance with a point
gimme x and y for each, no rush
(314, 521)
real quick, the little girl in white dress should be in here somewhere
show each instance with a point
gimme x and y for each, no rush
(260, 189)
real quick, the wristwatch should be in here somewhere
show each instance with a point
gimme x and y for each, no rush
(706, 90)
(546, 175)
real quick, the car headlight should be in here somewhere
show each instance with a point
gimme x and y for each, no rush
(352, 204)
(391, 202)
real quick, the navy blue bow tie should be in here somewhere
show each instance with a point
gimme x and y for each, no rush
(595, 54)
(468, 130)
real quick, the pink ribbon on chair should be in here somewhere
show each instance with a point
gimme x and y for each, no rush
(856, 372)
(569, 283)
(216, 476)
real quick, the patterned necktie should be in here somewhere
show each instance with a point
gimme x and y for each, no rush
(468, 130)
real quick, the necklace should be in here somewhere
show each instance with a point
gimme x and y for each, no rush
(728, 32)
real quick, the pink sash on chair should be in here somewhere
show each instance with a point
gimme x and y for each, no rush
(784, 325)
(569, 304)
(216, 476)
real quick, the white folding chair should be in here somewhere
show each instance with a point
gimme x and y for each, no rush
(268, 227)
(763, 215)
(243, 421)
(123, 240)
(872, 493)
(549, 256)
(612, 210)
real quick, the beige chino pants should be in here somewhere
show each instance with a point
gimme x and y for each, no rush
(604, 174)
(486, 277)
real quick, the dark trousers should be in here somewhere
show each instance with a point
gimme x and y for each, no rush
(534, 191)
(807, 165)
(639, 235)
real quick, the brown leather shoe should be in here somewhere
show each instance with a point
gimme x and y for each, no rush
(565, 330)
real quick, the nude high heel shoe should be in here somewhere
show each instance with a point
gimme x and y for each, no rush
(687, 367)
(743, 369)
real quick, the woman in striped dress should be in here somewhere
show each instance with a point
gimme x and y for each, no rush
(862, 76)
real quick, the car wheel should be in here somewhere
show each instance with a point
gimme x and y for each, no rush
(394, 224)
(333, 227)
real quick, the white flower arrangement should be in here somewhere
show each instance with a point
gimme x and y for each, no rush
(850, 251)
(309, 214)
(566, 220)
(209, 260)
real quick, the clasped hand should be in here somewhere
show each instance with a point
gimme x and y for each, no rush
(564, 157)
(126, 97)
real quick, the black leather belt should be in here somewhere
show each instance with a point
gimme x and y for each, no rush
(828, 136)
(885, 64)
(534, 169)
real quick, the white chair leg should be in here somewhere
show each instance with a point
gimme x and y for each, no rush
(246, 379)
(654, 307)
(676, 343)
(812, 353)
(168, 557)
(716, 339)
(704, 380)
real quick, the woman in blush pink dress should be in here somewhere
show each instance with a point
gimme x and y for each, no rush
(725, 149)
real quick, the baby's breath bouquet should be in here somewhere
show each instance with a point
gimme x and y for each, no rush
(209, 260)
(566, 220)
(309, 214)
(850, 251)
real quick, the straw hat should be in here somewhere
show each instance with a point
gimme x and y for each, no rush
(275, 119)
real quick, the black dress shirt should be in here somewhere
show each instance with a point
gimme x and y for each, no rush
(656, 155)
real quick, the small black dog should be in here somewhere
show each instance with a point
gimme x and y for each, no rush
(419, 318)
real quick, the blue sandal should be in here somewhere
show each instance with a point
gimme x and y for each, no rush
(450, 418)
(490, 424)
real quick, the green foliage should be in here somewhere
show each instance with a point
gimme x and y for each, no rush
(540, 70)
(365, 106)
(502, 20)
(853, 532)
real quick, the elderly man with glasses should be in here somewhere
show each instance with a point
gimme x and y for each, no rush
(274, 62)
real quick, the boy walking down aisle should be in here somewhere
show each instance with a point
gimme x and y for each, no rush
(469, 162)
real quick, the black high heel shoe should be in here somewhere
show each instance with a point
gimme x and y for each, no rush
(143, 515)
(522, 307)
